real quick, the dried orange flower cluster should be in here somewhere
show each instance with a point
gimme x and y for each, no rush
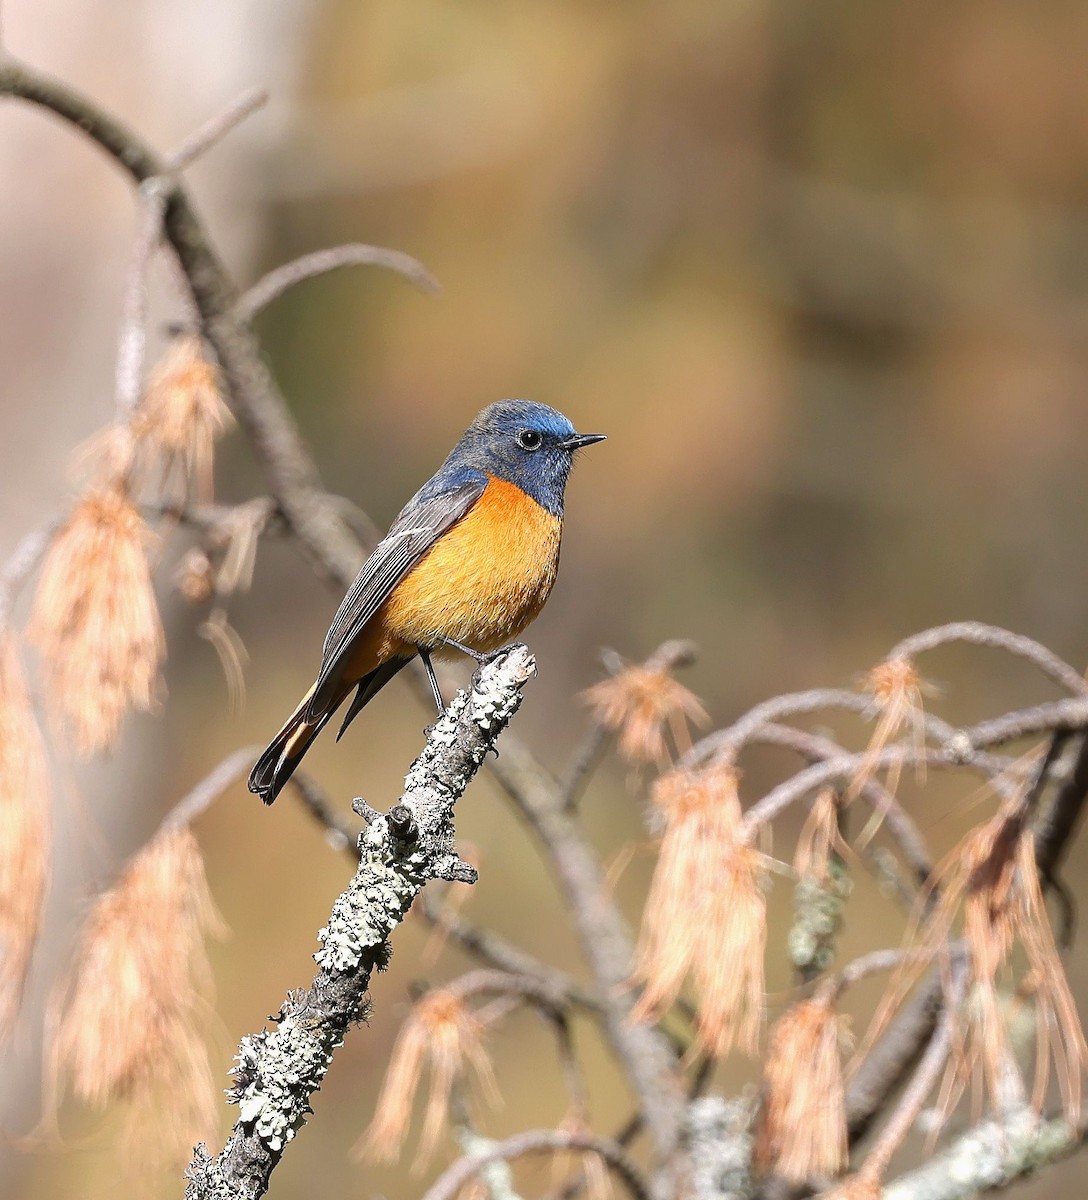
(640, 703)
(896, 688)
(444, 1034)
(819, 837)
(706, 915)
(991, 881)
(96, 621)
(130, 1025)
(802, 1127)
(182, 415)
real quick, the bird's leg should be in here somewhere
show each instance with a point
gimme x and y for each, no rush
(436, 691)
(479, 658)
(476, 656)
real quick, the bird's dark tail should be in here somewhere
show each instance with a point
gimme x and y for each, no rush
(369, 686)
(277, 764)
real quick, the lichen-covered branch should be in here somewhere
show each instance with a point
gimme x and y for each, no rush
(990, 1156)
(279, 1070)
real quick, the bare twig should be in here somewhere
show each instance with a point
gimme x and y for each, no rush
(874, 963)
(320, 262)
(1027, 722)
(980, 634)
(338, 833)
(496, 952)
(827, 772)
(132, 343)
(726, 743)
(586, 756)
(539, 1141)
(201, 140)
(255, 400)
(924, 1079)
(900, 824)
(210, 788)
(530, 988)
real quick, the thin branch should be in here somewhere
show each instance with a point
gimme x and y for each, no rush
(132, 343)
(873, 963)
(961, 749)
(1057, 821)
(1028, 722)
(338, 833)
(271, 286)
(539, 1141)
(209, 789)
(980, 634)
(820, 774)
(501, 983)
(256, 402)
(279, 1070)
(899, 823)
(496, 952)
(924, 1080)
(726, 743)
(201, 140)
(587, 755)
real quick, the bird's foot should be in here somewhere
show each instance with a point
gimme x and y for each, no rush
(480, 658)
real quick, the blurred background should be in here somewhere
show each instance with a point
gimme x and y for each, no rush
(819, 271)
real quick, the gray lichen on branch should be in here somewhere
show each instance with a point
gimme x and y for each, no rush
(279, 1070)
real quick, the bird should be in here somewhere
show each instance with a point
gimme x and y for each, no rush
(469, 561)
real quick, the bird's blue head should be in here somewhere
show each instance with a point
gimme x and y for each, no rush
(524, 443)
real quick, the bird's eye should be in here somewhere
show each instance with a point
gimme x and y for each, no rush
(529, 439)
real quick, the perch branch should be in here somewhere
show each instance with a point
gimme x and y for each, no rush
(279, 1070)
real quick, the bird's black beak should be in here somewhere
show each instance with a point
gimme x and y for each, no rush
(578, 440)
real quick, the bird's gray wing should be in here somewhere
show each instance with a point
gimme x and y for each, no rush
(412, 534)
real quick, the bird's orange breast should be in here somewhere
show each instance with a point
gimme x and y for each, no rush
(484, 579)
